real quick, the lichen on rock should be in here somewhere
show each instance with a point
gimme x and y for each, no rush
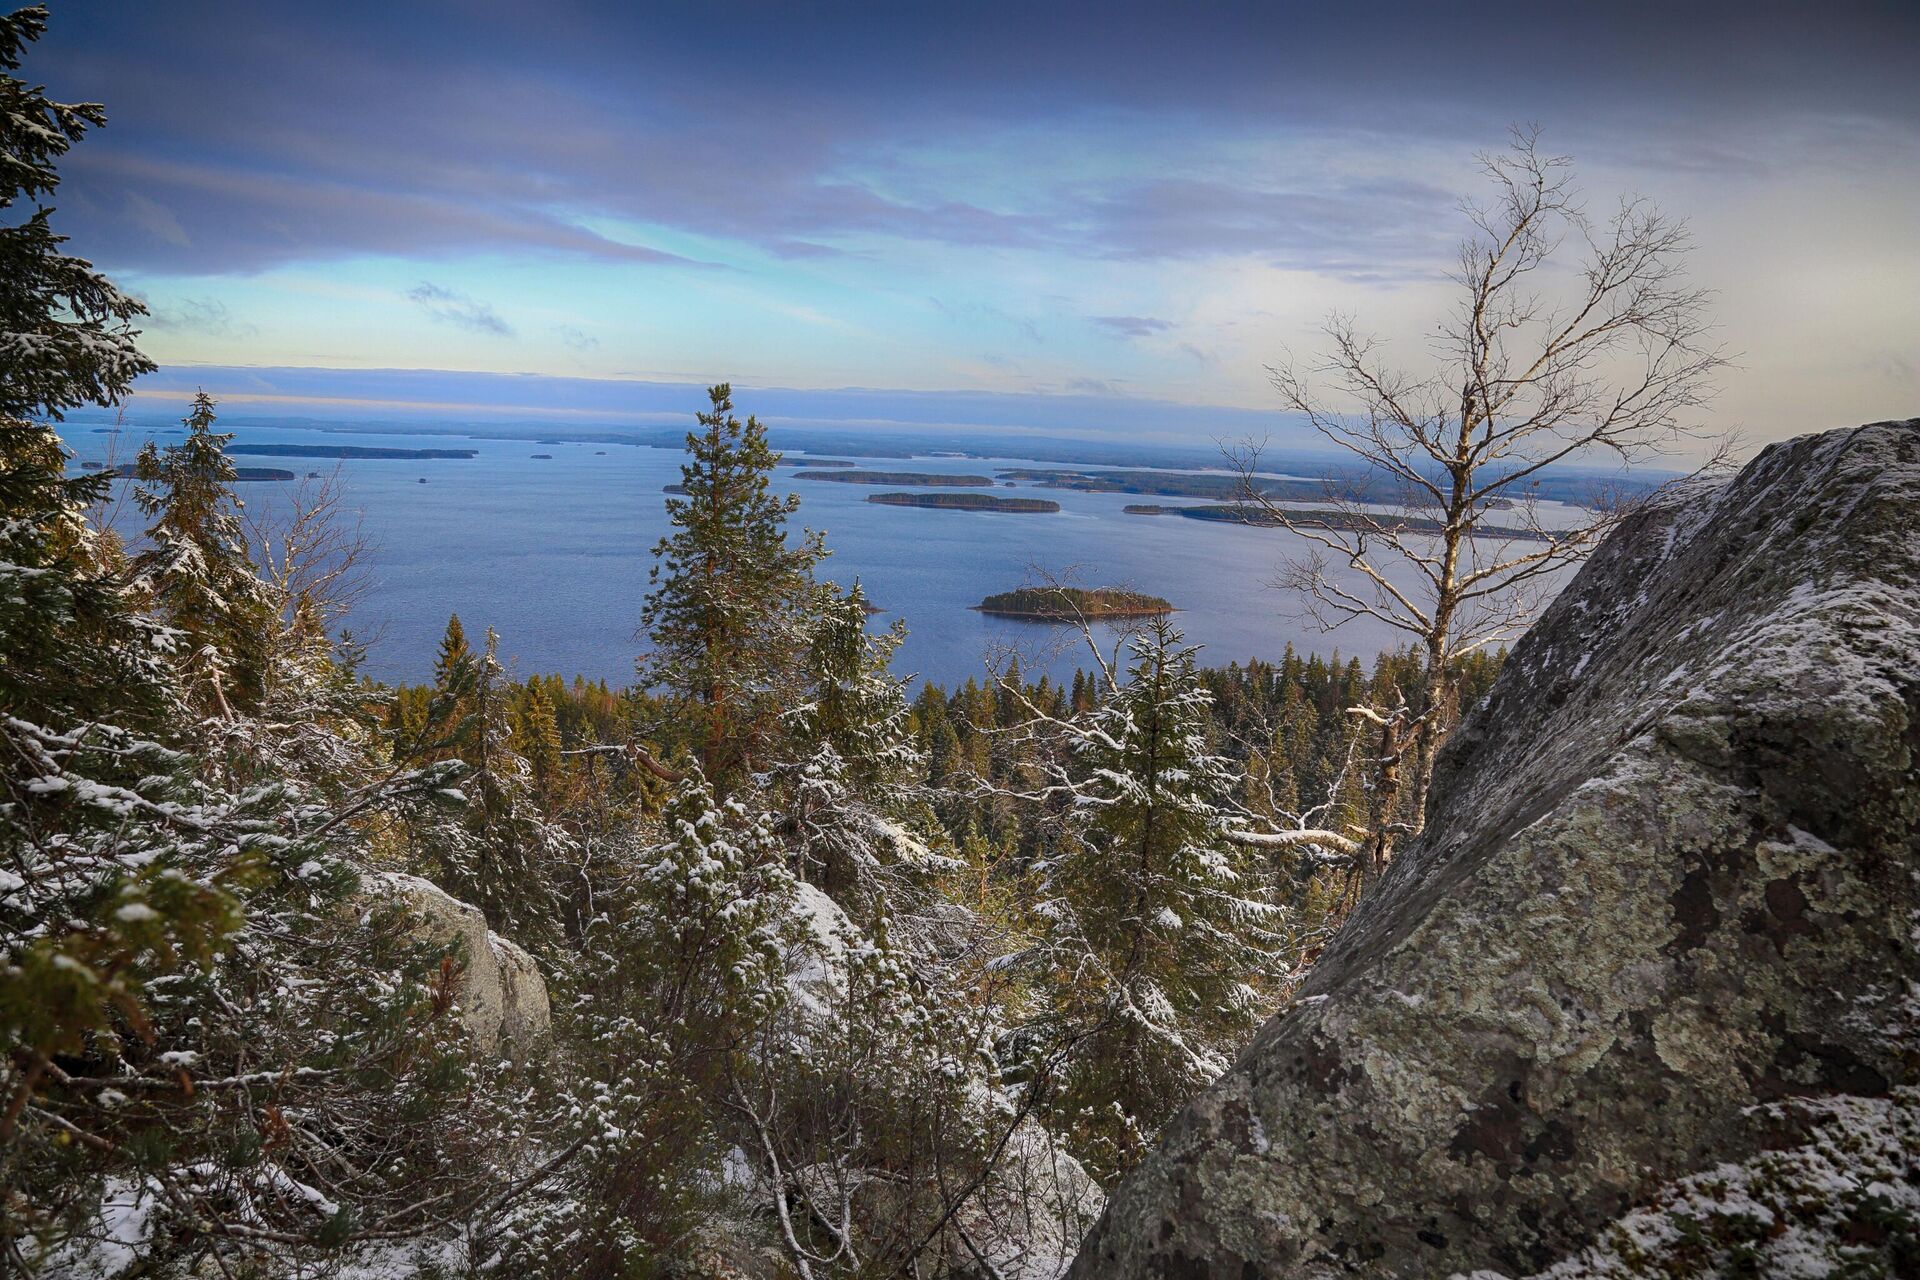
(1665, 898)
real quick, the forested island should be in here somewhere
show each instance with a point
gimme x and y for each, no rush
(345, 451)
(931, 479)
(1073, 604)
(1179, 484)
(1230, 486)
(126, 471)
(966, 502)
(1281, 517)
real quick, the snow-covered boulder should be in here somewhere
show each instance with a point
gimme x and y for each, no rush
(1661, 937)
(502, 995)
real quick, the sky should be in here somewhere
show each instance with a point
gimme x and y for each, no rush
(1107, 218)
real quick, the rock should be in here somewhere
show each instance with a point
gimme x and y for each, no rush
(1663, 919)
(503, 995)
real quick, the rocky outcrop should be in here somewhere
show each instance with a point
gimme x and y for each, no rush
(1663, 920)
(502, 995)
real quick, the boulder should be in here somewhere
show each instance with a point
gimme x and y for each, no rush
(1661, 929)
(502, 995)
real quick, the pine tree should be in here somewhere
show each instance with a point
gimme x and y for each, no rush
(540, 734)
(1161, 928)
(454, 651)
(196, 571)
(503, 853)
(728, 608)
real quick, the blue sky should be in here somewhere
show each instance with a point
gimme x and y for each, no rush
(1133, 205)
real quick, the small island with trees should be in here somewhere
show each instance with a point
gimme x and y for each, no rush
(1073, 604)
(966, 502)
(927, 479)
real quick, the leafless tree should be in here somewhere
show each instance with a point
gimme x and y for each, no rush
(1576, 340)
(312, 552)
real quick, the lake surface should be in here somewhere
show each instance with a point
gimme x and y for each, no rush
(554, 553)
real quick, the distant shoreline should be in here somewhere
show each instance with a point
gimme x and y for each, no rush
(966, 502)
(928, 479)
(345, 451)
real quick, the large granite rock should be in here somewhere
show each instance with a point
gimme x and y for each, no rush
(502, 996)
(1664, 917)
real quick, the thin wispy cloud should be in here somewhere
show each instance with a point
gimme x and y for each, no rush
(449, 306)
(1231, 173)
(208, 316)
(1133, 326)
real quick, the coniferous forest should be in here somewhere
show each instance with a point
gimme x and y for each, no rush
(873, 981)
(776, 961)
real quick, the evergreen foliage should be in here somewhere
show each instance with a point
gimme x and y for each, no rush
(843, 983)
(1160, 935)
(727, 611)
(195, 571)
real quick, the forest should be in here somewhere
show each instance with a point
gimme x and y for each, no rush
(840, 976)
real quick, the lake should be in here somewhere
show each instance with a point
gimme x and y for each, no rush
(553, 553)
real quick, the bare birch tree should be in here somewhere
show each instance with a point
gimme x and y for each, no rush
(1439, 530)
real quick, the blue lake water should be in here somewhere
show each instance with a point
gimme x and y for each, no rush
(553, 554)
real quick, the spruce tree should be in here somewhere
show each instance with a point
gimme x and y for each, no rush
(196, 571)
(66, 339)
(730, 599)
(500, 852)
(1160, 928)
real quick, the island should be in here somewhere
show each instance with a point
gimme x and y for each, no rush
(966, 502)
(1149, 509)
(1073, 604)
(1181, 484)
(818, 462)
(125, 471)
(928, 479)
(1280, 517)
(547, 456)
(344, 451)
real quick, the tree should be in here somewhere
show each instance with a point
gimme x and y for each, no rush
(1160, 929)
(499, 851)
(727, 611)
(66, 339)
(1439, 532)
(196, 570)
(66, 335)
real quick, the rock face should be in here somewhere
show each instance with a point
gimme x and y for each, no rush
(1663, 917)
(502, 996)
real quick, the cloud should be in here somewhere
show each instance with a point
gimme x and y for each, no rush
(156, 220)
(576, 339)
(1894, 366)
(333, 139)
(1133, 326)
(208, 316)
(452, 307)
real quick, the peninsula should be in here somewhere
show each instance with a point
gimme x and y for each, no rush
(126, 471)
(1277, 518)
(1072, 604)
(929, 479)
(344, 451)
(966, 502)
